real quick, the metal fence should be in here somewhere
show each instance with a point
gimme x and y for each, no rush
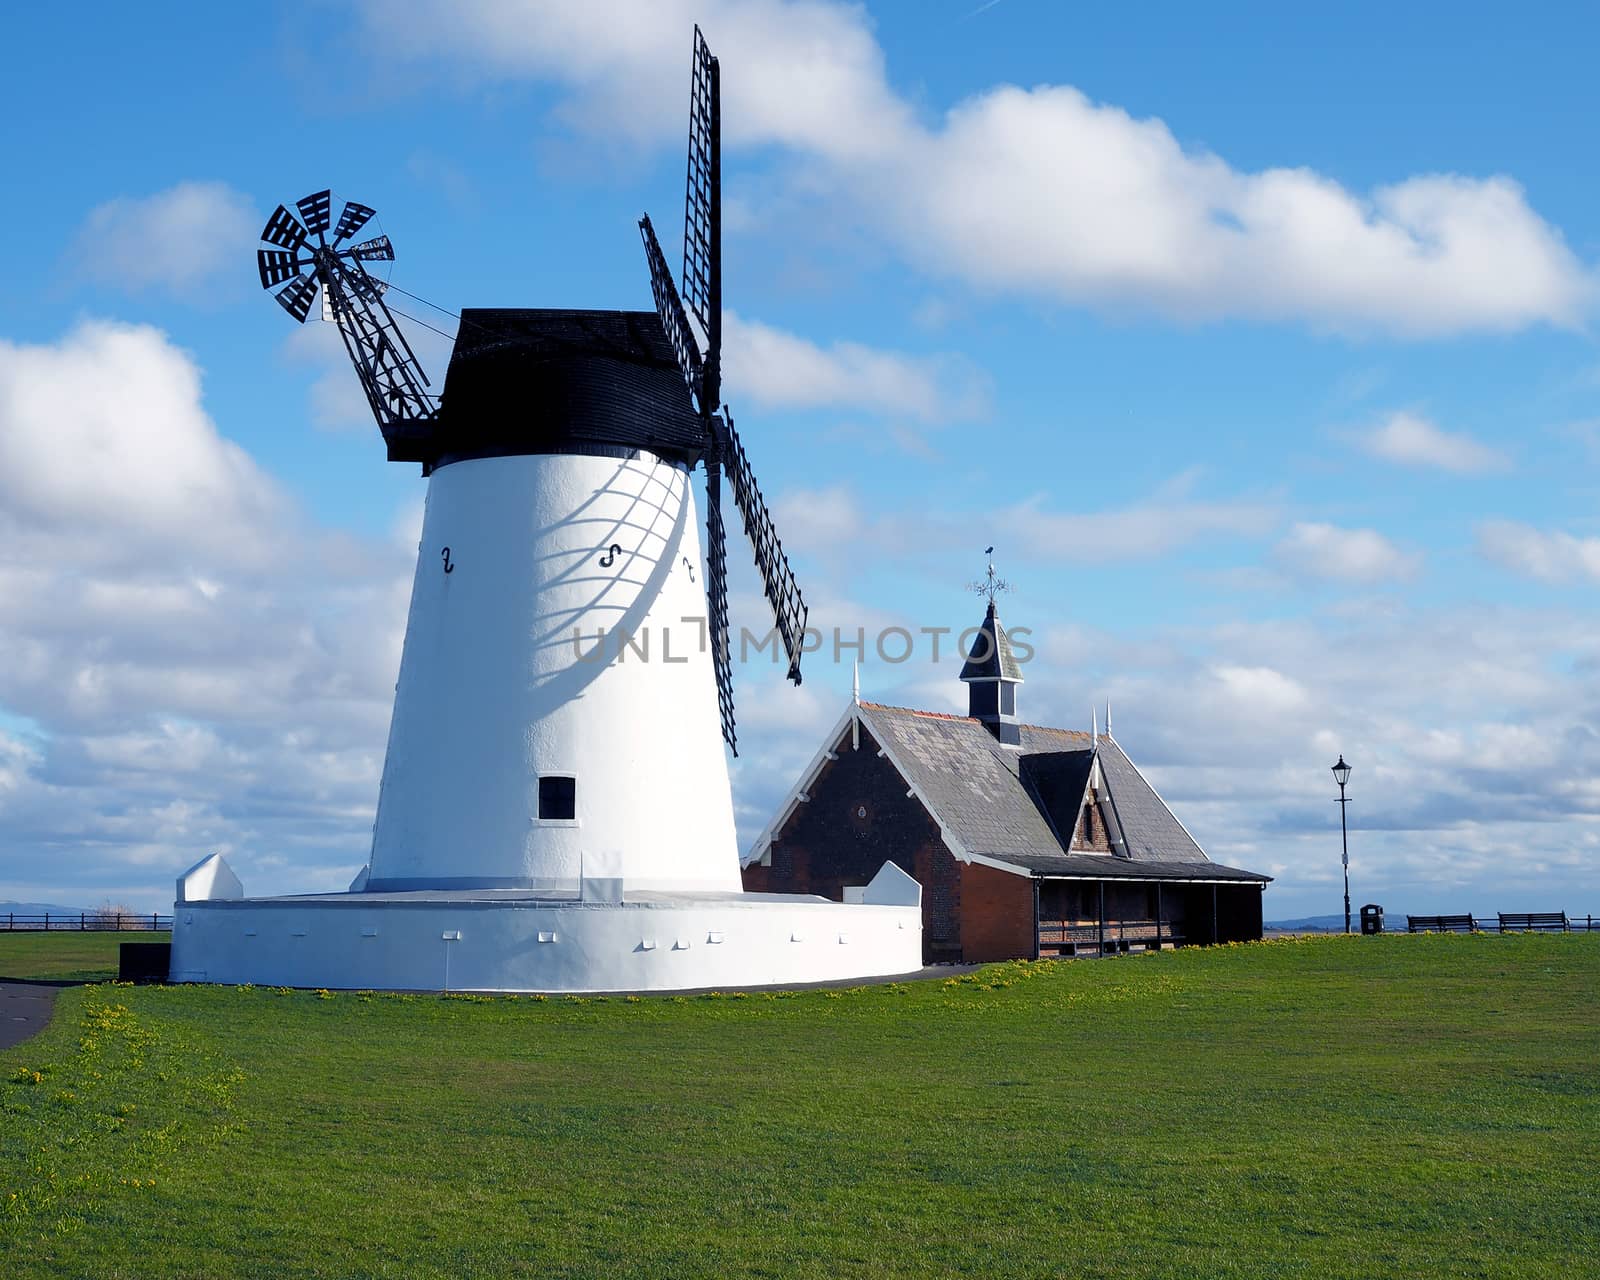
(84, 922)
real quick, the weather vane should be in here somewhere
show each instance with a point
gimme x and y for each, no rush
(991, 584)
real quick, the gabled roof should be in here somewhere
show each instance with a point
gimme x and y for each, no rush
(969, 782)
(1152, 831)
(991, 657)
(1015, 808)
(1018, 808)
(1057, 781)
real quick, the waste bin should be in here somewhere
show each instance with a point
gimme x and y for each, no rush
(1372, 918)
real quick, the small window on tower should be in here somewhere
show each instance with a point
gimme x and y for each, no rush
(558, 798)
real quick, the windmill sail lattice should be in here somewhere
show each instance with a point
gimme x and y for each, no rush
(777, 579)
(696, 336)
(674, 319)
(702, 217)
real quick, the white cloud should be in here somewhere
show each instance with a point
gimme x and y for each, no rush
(1349, 555)
(835, 521)
(810, 74)
(1472, 746)
(1033, 191)
(1145, 529)
(1261, 690)
(105, 432)
(1045, 192)
(1548, 556)
(1415, 442)
(818, 519)
(335, 399)
(779, 370)
(198, 668)
(180, 240)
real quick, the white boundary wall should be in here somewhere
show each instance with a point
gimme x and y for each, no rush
(360, 941)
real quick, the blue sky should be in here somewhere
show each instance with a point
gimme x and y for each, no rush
(1259, 341)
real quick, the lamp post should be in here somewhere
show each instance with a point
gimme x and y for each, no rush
(1341, 775)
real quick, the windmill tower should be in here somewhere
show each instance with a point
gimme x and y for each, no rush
(557, 715)
(565, 690)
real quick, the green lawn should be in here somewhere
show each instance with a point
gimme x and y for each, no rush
(1401, 1106)
(70, 955)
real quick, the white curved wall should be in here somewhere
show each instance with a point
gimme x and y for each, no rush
(493, 692)
(434, 943)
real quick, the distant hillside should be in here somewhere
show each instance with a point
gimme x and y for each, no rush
(39, 909)
(1325, 924)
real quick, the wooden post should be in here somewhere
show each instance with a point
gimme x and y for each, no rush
(1158, 915)
(1215, 936)
(1102, 923)
(1036, 919)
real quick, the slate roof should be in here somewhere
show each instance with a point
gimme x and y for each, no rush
(969, 781)
(1009, 804)
(1056, 780)
(1151, 830)
(991, 656)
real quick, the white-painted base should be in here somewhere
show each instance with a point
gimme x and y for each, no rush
(513, 940)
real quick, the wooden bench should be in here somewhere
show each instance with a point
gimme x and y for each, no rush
(1545, 921)
(1440, 924)
(1072, 938)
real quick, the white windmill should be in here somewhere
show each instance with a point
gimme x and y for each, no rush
(555, 811)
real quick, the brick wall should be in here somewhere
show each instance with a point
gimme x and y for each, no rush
(1090, 832)
(996, 915)
(858, 818)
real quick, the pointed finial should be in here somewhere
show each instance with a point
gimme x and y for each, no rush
(1108, 717)
(1094, 725)
(855, 685)
(991, 584)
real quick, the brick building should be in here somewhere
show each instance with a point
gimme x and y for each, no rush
(1027, 841)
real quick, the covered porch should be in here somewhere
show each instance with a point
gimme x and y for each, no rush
(1121, 912)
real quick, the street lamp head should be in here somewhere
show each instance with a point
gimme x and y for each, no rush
(1341, 771)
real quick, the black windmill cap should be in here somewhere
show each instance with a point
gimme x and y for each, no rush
(548, 381)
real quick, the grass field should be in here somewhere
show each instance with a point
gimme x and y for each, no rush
(1401, 1106)
(66, 956)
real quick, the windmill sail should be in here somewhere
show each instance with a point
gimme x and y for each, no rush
(702, 217)
(717, 602)
(306, 261)
(777, 579)
(673, 317)
(695, 333)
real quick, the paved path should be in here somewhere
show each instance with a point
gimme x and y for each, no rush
(25, 1009)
